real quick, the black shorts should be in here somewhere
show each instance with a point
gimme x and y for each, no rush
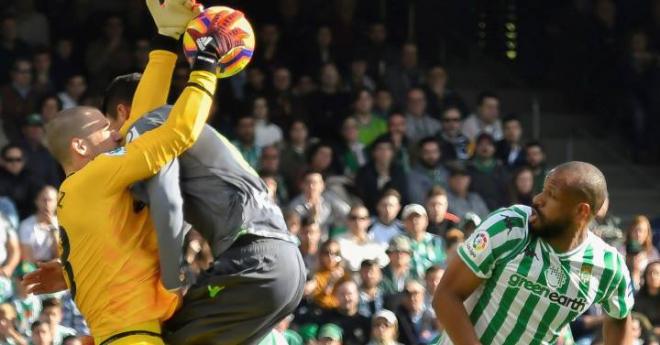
(250, 287)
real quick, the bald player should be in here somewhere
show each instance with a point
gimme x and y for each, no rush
(525, 273)
(109, 248)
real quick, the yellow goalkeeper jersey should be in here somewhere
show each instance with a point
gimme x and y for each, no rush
(109, 248)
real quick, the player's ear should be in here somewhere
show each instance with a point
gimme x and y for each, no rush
(123, 112)
(79, 146)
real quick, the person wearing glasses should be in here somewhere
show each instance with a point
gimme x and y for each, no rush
(17, 182)
(356, 245)
(454, 145)
(330, 271)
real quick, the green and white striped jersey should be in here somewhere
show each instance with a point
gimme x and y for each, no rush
(530, 291)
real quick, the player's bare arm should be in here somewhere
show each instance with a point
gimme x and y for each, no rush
(456, 285)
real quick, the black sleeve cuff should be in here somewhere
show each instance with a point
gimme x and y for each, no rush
(205, 61)
(160, 42)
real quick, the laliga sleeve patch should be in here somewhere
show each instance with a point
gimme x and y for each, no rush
(480, 242)
(120, 151)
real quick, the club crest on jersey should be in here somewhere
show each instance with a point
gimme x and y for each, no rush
(120, 151)
(480, 242)
(585, 273)
(555, 277)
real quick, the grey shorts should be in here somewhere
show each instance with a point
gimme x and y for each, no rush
(251, 287)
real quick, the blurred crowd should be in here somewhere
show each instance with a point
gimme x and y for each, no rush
(381, 168)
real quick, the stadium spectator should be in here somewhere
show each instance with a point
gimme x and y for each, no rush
(41, 334)
(38, 160)
(72, 340)
(49, 106)
(350, 152)
(440, 221)
(488, 177)
(383, 104)
(521, 188)
(292, 158)
(419, 124)
(38, 233)
(65, 61)
(405, 75)
(370, 127)
(255, 83)
(266, 133)
(379, 53)
(587, 326)
(43, 74)
(379, 174)
(71, 317)
(455, 145)
(432, 278)
(535, 156)
(76, 86)
(510, 149)
(372, 297)
(51, 314)
(384, 329)
(439, 96)
(396, 133)
(328, 105)
(31, 26)
(427, 249)
(322, 51)
(417, 323)
(11, 47)
(245, 140)
(355, 245)
(8, 332)
(486, 119)
(325, 208)
(109, 55)
(639, 248)
(330, 271)
(321, 158)
(18, 98)
(386, 225)
(270, 53)
(330, 334)
(428, 172)
(281, 97)
(461, 200)
(354, 325)
(269, 164)
(398, 271)
(310, 240)
(647, 300)
(358, 78)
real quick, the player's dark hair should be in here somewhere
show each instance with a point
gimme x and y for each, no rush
(120, 90)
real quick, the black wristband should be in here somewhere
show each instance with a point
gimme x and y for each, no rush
(205, 61)
(160, 42)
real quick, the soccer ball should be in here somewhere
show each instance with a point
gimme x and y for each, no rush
(236, 59)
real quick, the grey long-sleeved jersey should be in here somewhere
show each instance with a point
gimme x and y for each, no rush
(223, 197)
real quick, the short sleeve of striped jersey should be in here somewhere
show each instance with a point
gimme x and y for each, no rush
(618, 299)
(502, 233)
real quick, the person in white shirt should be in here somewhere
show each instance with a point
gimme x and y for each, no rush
(37, 233)
(487, 118)
(386, 225)
(355, 245)
(266, 132)
(10, 253)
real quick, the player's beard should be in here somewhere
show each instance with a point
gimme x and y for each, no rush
(546, 228)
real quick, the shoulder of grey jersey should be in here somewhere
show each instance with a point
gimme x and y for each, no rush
(148, 122)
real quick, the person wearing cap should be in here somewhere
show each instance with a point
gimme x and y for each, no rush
(355, 245)
(330, 334)
(397, 272)
(384, 329)
(427, 249)
(39, 161)
(489, 177)
(417, 323)
(461, 200)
